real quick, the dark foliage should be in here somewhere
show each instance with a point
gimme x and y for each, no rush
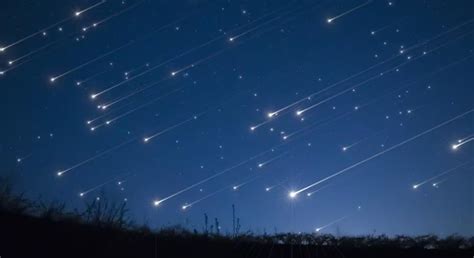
(31, 229)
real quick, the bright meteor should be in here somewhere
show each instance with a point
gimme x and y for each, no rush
(207, 179)
(330, 20)
(293, 194)
(195, 117)
(461, 143)
(62, 172)
(416, 186)
(78, 13)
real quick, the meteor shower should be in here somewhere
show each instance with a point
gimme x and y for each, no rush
(237, 128)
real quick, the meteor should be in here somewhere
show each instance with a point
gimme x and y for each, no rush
(416, 186)
(207, 179)
(317, 190)
(200, 61)
(293, 194)
(237, 187)
(95, 24)
(78, 13)
(13, 61)
(330, 20)
(254, 127)
(189, 205)
(95, 75)
(105, 106)
(269, 188)
(195, 117)
(331, 223)
(137, 108)
(62, 172)
(233, 38)
(337, 220)
(41, 31)
(83, 193)
(456, 146)
(262, 164)
(54, 78)
(436, 184)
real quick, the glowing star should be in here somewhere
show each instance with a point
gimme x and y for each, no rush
(308, 194)
(329, 20)
(235, 188)
(77, 13)
(184, 207)
(271, 114)
(267, 189)
(92, 128)
(299, 112)
(318, 229)
(260, 165)
(52, 79)
(81, 194)
(93, 96)
(2, 49)
(156, 203)
(435, 185)
(344, 148)
(146, 140)
(60, 173)
(231, 39)
(415, 186)
(252, 128)
(173, 73)
(292, 194)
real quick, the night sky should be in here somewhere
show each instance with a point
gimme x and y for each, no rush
(345, 117)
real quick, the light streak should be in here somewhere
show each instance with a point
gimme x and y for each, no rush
(295, 193)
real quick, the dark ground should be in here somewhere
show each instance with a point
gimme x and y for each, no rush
(28, 236)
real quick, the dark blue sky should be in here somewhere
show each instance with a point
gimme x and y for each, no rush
(379, 77)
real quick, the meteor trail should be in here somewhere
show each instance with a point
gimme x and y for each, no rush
(62, 172)
(133, 93)
(456, 146)
(79, 83)
(337, 220)
(317, 190)
(3, 49)
(293, 194)
(54, 78)
(416, 186)
(207, 179)
(233, 38)
(332, 223)
(330, 20)
(83, 193)
(78, 13)
(269, 188)
(195, 117)
(95, 24)
(436, 184)
(135, 109)
(189, 205)
(262, 164)
(254, 127)
(237, 187)
(200, 61)
(13, 61)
